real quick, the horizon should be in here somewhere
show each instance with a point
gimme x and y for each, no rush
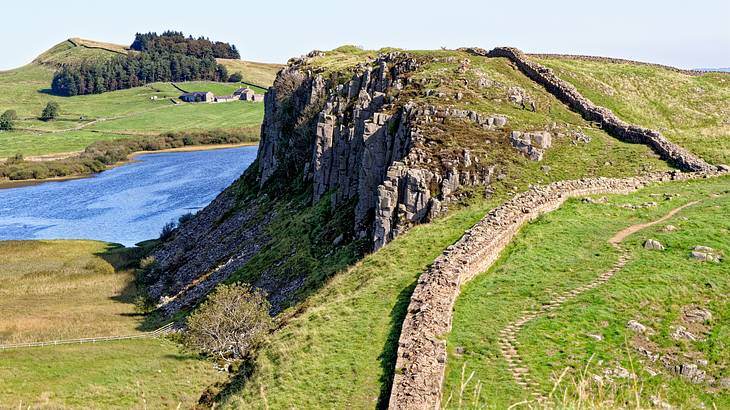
(652, 35)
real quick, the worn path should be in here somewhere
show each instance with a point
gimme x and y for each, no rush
(508, 343)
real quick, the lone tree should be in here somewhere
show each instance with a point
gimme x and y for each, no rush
(7, 120)
(231, 323)
(50, 112)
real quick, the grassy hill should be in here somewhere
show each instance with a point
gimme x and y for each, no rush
(336, 349)
(143, 110)
(76, 289)
(691, 110)
(588, 335)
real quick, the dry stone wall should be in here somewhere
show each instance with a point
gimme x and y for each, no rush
(421, 358)
(564, 91)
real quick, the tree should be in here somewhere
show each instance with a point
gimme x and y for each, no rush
(236, 77)
(50, 112)
(7, 120)
(231, 323)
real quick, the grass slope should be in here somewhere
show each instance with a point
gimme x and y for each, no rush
(69, 289)
(693, 111)
(567, 248)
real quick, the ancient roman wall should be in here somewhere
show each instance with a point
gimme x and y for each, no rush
(564, 91)
(421, 358)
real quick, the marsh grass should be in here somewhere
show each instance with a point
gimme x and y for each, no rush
(52, 290)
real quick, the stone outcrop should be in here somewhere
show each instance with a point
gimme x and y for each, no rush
(532, 144)
(421, 357)
(567, 93)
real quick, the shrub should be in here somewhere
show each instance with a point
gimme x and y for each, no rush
(231, 323)
(167, 231)
(185, 217)
(7, 120)
(50, 112)
(236, 77)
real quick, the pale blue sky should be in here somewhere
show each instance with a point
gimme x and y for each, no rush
(693, 33)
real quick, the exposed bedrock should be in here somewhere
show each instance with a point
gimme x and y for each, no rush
(566, 92)
(351, 142)
(365, 144)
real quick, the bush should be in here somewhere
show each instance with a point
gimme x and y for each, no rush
(236, 77)
(167, 231)
(185, 217)
(231, 323)
(7, 120)
(50, 112)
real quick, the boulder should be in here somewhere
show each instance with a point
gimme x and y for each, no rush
(669, 228)
(636, 326)
(654, 245)
(542, 139)
(705, 254)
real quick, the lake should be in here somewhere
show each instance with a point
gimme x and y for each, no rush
(127, 204)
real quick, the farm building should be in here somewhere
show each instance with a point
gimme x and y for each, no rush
(226, 98)
(248, 94)
(198, 97)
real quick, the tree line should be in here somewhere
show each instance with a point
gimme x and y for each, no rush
(176, 41)
(170, 57)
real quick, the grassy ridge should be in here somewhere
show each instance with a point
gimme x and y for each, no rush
(693, 111)
(70, 289)
(567, 248)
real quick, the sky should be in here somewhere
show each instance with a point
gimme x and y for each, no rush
(686, 34)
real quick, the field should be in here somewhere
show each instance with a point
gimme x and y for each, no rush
(693, 111)
(588, 335)
(75, 289)
(145, 110)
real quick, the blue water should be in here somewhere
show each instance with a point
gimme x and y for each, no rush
(127, 204)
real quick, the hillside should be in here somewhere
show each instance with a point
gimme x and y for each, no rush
(691, 109)
(145, 110)
(409, 217)
(370, 164)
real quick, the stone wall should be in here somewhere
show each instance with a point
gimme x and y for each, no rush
(613, 60)
(421, 357)
(565, 92)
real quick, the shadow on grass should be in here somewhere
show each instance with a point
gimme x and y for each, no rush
(388, 356)
(124, 259)
(217, 392)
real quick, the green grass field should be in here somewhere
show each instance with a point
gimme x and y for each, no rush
(567, 248)
(693, 111)
(51, 290)
(141, 110)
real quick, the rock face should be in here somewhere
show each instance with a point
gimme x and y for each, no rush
(351, 142)
(564, 91)
(366, 146)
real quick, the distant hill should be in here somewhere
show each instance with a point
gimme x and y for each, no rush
(77, 50)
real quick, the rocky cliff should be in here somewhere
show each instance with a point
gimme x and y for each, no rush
(346, 139)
